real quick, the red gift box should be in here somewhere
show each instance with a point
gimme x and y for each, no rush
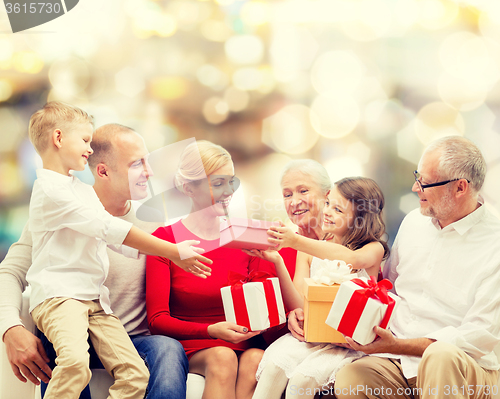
(359, 306)
(253, 301)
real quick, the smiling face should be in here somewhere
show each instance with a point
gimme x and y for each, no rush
(436, 202)
(129, 169)
(338, 214)
(75, 146)
(214, 193)
(303, 199)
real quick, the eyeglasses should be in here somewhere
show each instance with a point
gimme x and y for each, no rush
(441, 183)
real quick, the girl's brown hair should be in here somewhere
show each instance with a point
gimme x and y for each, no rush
(367, 201)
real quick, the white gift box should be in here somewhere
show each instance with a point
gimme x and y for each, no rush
(248, 301)
(363, 320)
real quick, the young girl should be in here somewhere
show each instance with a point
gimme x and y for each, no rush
(352, 221)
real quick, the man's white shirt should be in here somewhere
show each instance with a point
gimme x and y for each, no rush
(449, 283)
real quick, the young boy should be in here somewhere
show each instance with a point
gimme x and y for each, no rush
(70, 230)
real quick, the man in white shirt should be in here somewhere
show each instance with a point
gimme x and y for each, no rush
(118, 166)
(445, 267)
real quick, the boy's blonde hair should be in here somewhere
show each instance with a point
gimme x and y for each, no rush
(54, 115)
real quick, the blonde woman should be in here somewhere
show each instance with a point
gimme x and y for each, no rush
(189, 310)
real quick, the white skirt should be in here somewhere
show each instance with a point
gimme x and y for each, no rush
(317, 360)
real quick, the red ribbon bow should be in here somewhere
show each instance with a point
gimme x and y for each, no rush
(236, 281)
(234, 278)
(355, 307)
(373, 288)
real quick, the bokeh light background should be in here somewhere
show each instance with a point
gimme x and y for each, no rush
(358, 85)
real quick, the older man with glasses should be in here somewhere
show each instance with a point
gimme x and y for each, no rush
(445, 266)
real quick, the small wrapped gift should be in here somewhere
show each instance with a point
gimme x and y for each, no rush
(253, 301)
(360, 305)
(245, 233)
(318, 300)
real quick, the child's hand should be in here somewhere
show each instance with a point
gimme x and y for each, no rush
(343, 345)
(296, 323)
(271, 255)
(189, 259)
(282, 236)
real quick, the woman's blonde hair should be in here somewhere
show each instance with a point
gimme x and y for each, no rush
(198, 160)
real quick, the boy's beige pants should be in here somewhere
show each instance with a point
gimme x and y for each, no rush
(67, 323)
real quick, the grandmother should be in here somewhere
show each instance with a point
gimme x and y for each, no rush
(305, 184)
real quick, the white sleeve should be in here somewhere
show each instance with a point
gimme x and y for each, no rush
(124, 250)
(479, 332)
(390, 266)
(13, 271)
(59, 209)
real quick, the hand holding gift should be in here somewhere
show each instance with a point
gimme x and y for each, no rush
(296, 323)
(230, 332)
(281, 236)
(253, 301)
(271, 255)
(359, 306)
(385, 342)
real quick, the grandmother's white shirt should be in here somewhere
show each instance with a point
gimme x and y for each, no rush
(70, 230)
(449, 283)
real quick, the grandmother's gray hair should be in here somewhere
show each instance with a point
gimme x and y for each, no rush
(460, 159)
(311, 168)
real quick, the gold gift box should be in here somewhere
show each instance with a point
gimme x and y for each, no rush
(318, 299)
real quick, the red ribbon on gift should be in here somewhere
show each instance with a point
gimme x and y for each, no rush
(234, 278)
(356, 305)
(236, 281)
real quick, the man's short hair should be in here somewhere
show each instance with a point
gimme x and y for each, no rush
(460, 158)
(54, 115)
(104, 151)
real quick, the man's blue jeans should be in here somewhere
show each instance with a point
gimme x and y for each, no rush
(164, 356)
(167, 363)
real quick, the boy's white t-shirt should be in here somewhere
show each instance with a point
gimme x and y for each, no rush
(127, 281)
(71, 230)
